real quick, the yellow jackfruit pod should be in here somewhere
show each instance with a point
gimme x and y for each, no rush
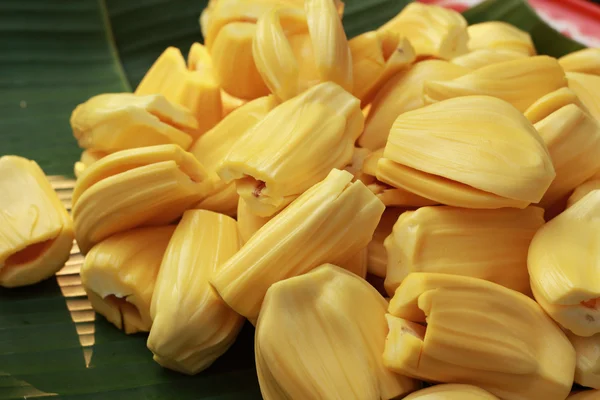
(389, 195)
(497, 35)
(356, 165)
(582, 190)
(485, 244)
(137, 187)
(358, 263)
(550, 103)
(376, 57)
(585, 395)
(294, 147)
(248, 223)
(330, 222)
(586, 61)
(402, 93)
(192, 326)
(572, 137)
(120, 272)
(432, 30)
(563, 266)
(230, 103)
(296, 50)
(434, 150)
(196, 88)
(377, 254)
(482, 58)
(36, 232)
(477, 333)
(519, 82)
(338, 324)
(587, 369)
(119, 121)
(88, 157)
(451, 391)
(212, 148)
(587, 88)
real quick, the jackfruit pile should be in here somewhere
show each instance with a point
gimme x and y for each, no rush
(412, 213)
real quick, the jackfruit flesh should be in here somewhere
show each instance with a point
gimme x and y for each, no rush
(119, 121)
(338, 324)
(402, 93)
(497, 35)
(192, 326)
(377, 254)
(330, 222)
(483, 57)
(586, 61)
(451, 391)
(295, 50)
(145, 186)
(520, 82)
(473, 152)
(389, 195)
(432, 30)
(120, 272)
(563, 266)
(582, 190)
(551, 102)
(293, 147)
(195, 88)
(573, 140)
(88, 157)
(36, 232)
(585, 395)
(212, 148)
(376, 57)
(477, 333)
(486, 244)
(248, 223)
(587, 369)
(587, 88)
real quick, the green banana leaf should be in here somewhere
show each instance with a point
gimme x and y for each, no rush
(54, 54)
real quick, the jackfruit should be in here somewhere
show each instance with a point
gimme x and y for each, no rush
(497, 35)
(551, 102)
(482, 58)
(587, 88)
(248, 223)
(402, 93)
(477, 333)
(295, 146)
(195, 88)
(519, 82)
(338, 324)
(587, 369)
(330, 222)
(432, 30)
(230, 103)
(36, 232)
(120, 272)
(389, 195)
(472, 152)
(145, 186)
(192, 325)
(451, 391)
(88, 157)
(582, 190)
(586, 61)
(485, 244)
(563, 266)
(119, 121)
(572, 137)
(377, 254)
(296, 50)
(357, 264)
(212, 148)
(376, 57)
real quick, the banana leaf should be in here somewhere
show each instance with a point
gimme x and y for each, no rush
(54, 54)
